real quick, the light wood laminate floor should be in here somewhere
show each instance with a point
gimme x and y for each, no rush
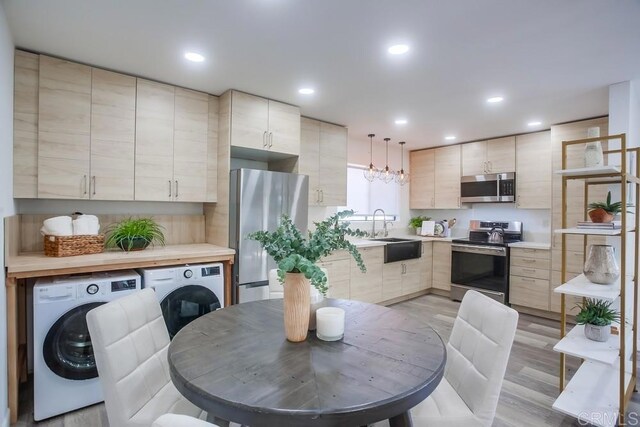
(528, 391)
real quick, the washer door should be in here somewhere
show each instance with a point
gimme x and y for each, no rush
(185, 304)
(67, 348)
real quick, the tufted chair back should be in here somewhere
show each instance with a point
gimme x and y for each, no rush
(130, 342)
(478, 352)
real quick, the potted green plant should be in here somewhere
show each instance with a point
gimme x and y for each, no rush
(134, 234)
(604, 211)
(597, 316)
(297, 255)
(416, 222)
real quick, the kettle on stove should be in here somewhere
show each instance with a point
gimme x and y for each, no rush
(496, 235)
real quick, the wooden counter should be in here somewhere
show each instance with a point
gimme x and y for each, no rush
(33, 265)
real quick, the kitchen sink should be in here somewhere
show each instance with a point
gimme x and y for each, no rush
(400, 249)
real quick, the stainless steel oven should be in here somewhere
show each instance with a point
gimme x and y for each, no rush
(480, 267)
(497, 187)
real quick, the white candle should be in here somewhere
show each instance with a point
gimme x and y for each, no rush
(330, 323)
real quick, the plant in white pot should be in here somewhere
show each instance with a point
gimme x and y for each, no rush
(296, 256)
(597, 316)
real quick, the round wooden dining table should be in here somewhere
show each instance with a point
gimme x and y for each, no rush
(236, 364)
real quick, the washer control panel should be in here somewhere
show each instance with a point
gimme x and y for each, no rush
(188, 274)
(93, 289)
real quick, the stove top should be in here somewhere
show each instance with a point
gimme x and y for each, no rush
(479, 232)
(482, 243)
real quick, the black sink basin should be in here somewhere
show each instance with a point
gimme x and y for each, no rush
(400, 249)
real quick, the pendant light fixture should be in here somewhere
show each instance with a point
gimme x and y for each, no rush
(402, 177)
(387, 175)
(373, 172)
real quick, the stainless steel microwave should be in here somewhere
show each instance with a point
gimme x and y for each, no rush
(490, 188)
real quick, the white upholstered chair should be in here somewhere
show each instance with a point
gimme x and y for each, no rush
(477, 355)
(175, 420)
(130, 342)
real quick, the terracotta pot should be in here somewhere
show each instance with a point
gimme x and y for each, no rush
(600, 215)
(297, 306)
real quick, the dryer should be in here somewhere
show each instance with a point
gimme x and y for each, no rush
(64, 369)
(186, 292)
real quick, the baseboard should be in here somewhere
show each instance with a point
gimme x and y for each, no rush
(5, 421)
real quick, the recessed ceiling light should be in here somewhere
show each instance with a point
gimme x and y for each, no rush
(495, 99)
(450, 138)
(194, 57)
(534, 123)
(306, 91)
(398, 49)
(401, 121)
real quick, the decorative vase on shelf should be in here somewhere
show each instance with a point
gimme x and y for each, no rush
(593, 156)
(297, 306)
(597, 333)
(601, 266)
(600, 215)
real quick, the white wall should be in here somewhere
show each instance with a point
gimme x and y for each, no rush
(7, 207)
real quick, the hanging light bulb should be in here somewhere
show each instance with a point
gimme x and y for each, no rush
(373, 172)
(387, 175)
(402, 177)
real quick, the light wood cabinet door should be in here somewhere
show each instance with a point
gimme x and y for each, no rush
(284, 128)
(442, 265)
(367, 287)
(309, 160)
(529, 292)
(154, 141)
(447, 177)
(212, 149)
(339, 277)
(501, 154)
(474, 158)
(113, 126)
(422, 186)
(64, 129)
(392, 274)
(25, 125)
(533, 178)
(426, 266)
(412, 277)
(190, 145)
(249, 121)
(333, 165)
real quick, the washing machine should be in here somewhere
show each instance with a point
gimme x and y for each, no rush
(64, 369)
(186, 292)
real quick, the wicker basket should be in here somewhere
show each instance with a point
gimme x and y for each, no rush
(59, 246)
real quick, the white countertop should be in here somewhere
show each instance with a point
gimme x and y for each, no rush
(366, 243)
(530, 245)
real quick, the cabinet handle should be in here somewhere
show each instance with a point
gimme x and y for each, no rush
(94, 185)
(169, 188)
(490, 166)
(264, 139)
(518, 201)
(176, 188)
(530, 261)
(84, 180)
(524, 279)
(270, 139)
(484, 167)
(321, 196)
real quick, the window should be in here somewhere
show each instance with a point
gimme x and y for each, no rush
(364, 197)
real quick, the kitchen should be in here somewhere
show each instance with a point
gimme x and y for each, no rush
(152, 124)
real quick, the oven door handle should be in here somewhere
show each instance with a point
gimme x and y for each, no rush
(482, 250)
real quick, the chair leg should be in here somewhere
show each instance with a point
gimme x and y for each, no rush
(402, 420)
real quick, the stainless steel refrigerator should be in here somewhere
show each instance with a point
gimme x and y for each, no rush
(258, 199)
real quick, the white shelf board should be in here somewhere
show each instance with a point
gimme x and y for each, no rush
(577, 345)
(581, 287)
(601, 170)
(591, 231)
(592, 394)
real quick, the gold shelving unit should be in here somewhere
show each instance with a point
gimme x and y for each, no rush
(600, 389)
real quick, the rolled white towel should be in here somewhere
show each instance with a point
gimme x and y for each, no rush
(86, 225)
(57, 226)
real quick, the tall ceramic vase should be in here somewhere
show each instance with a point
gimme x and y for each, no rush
(601, 266)
(297, 306)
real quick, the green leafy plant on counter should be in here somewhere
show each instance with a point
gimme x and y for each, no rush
(295, 253)
(596, 312)
(134, 234)
(607, 206)
(416, 221)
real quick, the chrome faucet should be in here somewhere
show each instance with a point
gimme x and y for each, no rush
(384, 223)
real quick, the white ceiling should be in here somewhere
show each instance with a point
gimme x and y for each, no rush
(552, 60)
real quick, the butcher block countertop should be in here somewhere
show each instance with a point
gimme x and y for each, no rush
(35, 264)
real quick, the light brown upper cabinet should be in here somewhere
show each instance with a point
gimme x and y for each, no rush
(447, 177)
(263, 124)
(25, 125)
(422, 166)
(533, 170)
(323, 156)
(492, 156)
(113, 125)
(64, 126)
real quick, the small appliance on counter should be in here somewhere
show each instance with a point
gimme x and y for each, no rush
(481, 262)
